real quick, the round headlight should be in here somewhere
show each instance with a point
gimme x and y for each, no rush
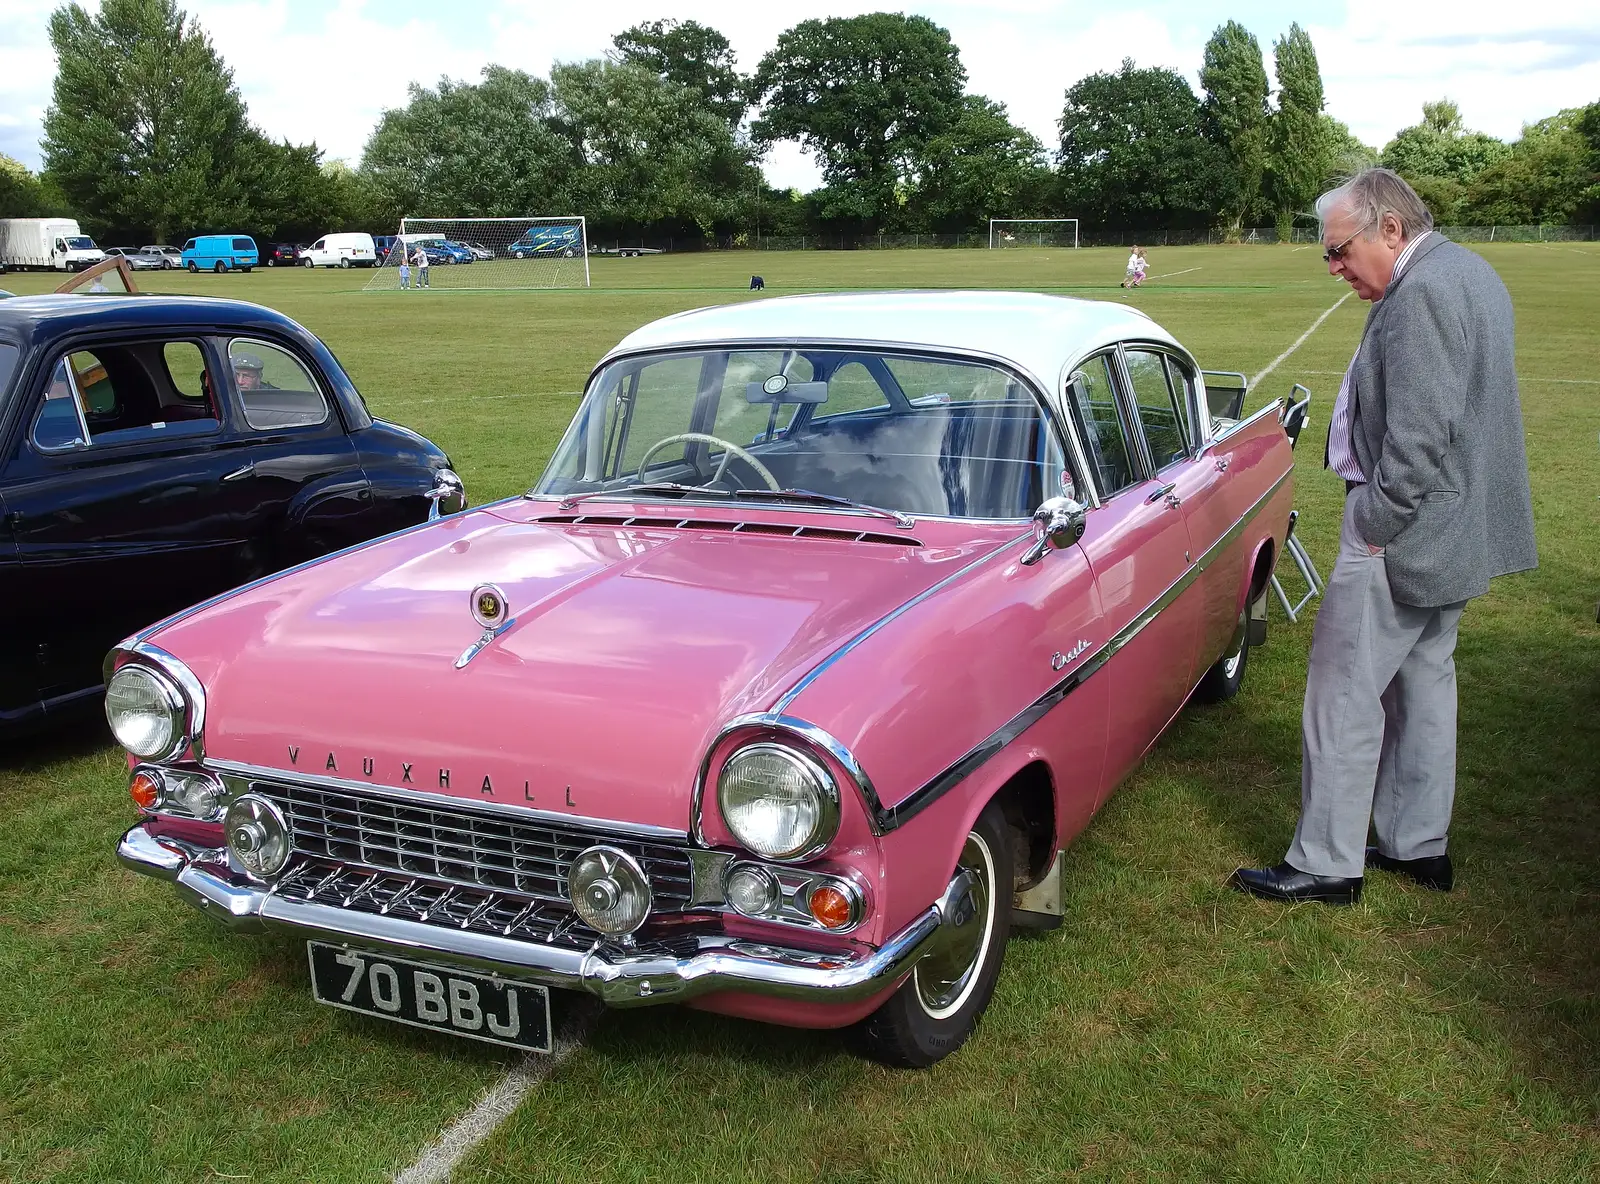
(145, 711)
(610, 890)
(778, 802)
(258, 835)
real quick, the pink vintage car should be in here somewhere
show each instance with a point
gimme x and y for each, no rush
(830, 624)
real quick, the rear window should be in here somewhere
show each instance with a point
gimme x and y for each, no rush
(243, 244)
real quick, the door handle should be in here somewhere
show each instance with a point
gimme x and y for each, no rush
(241, 472)
(1164, 492)
(1223, 462)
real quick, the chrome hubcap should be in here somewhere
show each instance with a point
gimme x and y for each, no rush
(1231, 666)
(945, 977)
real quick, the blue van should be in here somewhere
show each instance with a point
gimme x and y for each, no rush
(220, 252)
(565, 241)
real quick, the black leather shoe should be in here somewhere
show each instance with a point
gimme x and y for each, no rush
(1288, 883)
(1433, 872)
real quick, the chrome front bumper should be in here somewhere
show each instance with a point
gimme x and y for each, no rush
(618, 977)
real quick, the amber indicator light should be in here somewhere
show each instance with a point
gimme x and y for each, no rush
(830, 907)
(145, 790)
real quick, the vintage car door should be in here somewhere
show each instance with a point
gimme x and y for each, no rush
(1138, 547)
(19, 688)
(1164, 392)
(298, 469)
(115, 499)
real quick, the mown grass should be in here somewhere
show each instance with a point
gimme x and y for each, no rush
(1170, 1029)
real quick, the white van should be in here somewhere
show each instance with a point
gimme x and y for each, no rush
(340, 250)
(53, 243)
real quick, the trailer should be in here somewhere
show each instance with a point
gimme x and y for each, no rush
(53, 244)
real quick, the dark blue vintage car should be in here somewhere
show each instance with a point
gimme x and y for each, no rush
(158, 450)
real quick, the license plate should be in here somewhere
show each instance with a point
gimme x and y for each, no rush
(477, 1006)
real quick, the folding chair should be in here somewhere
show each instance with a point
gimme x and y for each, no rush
(1295, 419)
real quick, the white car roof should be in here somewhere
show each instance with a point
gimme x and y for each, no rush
(1039, 334)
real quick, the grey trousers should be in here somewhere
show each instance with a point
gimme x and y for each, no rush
(1378, 734)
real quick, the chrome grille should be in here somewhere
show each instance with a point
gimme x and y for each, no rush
(457, 848)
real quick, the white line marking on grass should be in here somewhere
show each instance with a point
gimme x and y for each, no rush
(1185, 271)
(1301, 340)
(1306, 247)
(456, 1141)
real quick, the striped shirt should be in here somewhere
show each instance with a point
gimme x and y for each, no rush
(1341, 444)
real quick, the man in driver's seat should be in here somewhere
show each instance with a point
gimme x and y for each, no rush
(247, 370)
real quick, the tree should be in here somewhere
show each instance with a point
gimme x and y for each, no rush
(1132, 154)
(1236, 110)
(1439, 146)
(1299, 141)
(1542, 179)
(1587, 125)
(22, 194)
(1345, 155)
(983, 167)
(691, 55)
(146, 130)
(649, 152)
(488, 149)
(865, 94)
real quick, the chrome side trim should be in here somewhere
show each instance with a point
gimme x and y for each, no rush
(925, 795)
(821, 668)
(618, 977)
(237, 770)
(1275, 407)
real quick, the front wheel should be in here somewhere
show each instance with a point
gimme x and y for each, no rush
(193, 266)
(937, 1008)
(307, 263)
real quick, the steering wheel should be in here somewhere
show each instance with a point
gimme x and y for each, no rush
(730, 450)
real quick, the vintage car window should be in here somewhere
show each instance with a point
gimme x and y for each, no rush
(59, 424)
(186, 372)
(8, 366)
(276, 390)
(1093, 395)
(991, 453)
(1182, 380)
(125, 394)
(1163, 430)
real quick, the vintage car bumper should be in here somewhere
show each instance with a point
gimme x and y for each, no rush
(620, 977)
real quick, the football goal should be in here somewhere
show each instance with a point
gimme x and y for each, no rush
(1033, 232)
(468, 253)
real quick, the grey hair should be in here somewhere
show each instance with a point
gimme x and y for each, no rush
(1371, 194)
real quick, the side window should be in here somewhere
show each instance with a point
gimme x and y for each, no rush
(275, 389)
(1094, 397)
(60, 422)
(187, 374)
(852, 388)
(317, 246)
(1183, 389)
(189, 246)
(94, 385)
(1158, 415)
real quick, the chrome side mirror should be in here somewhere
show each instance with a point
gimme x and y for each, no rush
(1059, 522)
(448, 495)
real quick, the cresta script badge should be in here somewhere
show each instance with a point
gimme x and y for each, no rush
(477, 1006)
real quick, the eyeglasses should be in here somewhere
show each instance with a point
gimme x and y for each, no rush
(1333, 253)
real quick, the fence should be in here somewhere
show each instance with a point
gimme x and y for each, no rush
(1090, 237)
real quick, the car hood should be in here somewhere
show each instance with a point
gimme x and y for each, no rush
(631, 646)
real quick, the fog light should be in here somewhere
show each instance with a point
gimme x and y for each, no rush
(831, 907)
(752, 890)
(609, 890)
(144, 787)
(196, 795)
(258, 835)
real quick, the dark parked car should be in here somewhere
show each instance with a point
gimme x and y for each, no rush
(279, 254)
(158, 450)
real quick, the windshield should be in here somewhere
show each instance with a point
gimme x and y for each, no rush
(915, 433)
(81, 242)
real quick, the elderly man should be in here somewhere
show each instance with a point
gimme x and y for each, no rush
(1427, 434)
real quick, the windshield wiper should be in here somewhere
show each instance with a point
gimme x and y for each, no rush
(648, 488)
(902, 520)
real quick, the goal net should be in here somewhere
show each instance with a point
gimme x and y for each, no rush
(468, 253)
(1033, 232)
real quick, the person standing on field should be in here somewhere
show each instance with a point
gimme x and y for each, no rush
(1133, 267)
(405, 268)
(1426, 433)
(421, 259)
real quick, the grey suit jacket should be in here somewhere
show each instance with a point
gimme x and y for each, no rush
(1437, 428)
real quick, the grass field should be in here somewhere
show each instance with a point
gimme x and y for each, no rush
(1171, 1029)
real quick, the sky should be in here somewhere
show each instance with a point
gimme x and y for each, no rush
(323, 70)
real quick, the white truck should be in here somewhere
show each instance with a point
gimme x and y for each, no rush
(55, 244)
